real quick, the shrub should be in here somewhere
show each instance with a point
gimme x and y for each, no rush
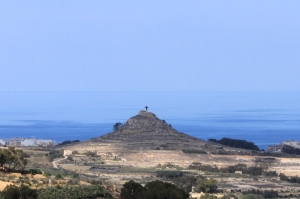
(185, 182)
(58, 176)
(270, 173)
(11, 192)
(206, 185)
(70, 158)
(255, 171)
(15, 192)
(152, 190)
(263, 194)
(290, 150)
(47, 174)
(199, 166)
(74, 192)
(55, 154)
(68, 142)
(194, 151)
(91, 154)
(35, 171)
(169, 174)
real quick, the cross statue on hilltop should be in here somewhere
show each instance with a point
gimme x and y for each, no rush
(146, 107)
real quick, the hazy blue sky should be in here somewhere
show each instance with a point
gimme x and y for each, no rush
(149, 45)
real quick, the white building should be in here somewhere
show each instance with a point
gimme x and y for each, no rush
(45, 142)
(26, 142)
(2, 142)
(29, 142)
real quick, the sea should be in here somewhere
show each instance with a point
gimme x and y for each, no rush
(263, 117)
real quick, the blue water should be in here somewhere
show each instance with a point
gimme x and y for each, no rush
(264, 118)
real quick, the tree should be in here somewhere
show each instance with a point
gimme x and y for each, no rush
(17, 159)
(185, 182)
(2, 159)
(206, 185)
(12, 157)
(152, 190)
(11, 192)
(131, 190)
(15, 192)
(158, 189)
(117, 126)
(27, 193)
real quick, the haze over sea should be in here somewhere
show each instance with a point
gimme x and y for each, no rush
(264, 118)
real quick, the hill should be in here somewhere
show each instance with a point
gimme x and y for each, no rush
(147, 131)
(142, 131)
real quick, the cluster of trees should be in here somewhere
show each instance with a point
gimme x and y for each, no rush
(15, 192)
(68, 142)
(54, 154)
(32, 171)
(200, 184)
(236, 143)
(194, 151)
(91, 154)
(270, 173)
(254, 170)
(202, 167)
(292, 179)
(152, 190)
(66, 192)
(12, 158)
(169, 174)
(186, 182)
(290, 150)
(206, 185)
(255, 193)
(74, 192)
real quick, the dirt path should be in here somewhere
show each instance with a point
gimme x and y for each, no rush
(54, 163)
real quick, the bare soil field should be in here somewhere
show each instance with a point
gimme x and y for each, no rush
(142, 166)
(4, 184)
